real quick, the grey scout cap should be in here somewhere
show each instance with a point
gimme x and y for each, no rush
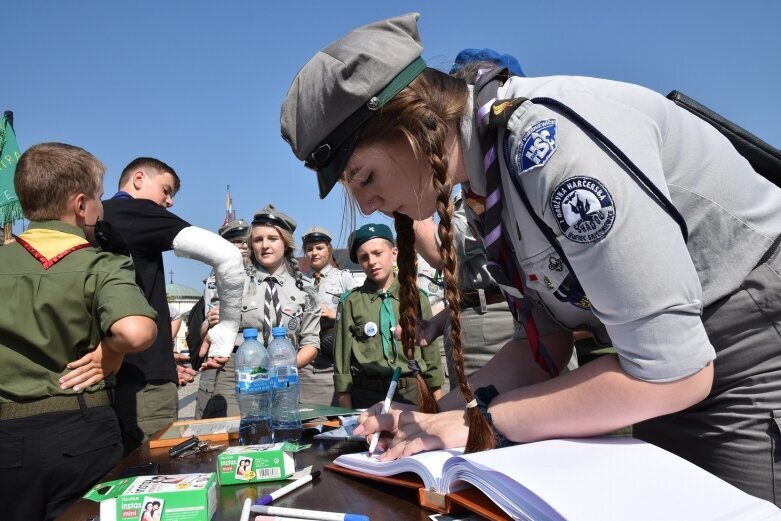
(342, 86)
(234, 229)
(316, 234)
(270, 215)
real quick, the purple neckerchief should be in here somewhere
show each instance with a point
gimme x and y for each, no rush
(122, 195)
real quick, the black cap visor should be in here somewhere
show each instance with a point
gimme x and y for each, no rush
(269, 218)
(316, 237)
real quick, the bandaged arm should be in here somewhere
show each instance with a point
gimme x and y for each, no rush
(202, 245)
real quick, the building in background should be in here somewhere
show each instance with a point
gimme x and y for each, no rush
(183, 298)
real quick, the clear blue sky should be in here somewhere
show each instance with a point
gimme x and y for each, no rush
(199, 84)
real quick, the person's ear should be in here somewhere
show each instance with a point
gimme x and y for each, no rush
(79, 204)
(138, 179)
(395, 253)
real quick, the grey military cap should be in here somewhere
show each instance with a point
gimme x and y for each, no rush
(316, 234)
(270, 215)
(339, 89)
(234, 229)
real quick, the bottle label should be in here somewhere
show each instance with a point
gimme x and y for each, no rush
(285, 376)
(256, 380)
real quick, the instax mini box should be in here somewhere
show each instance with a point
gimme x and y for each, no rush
(174, 497)
(253, 463)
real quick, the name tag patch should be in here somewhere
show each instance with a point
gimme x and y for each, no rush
(538, 143)
(583, 208)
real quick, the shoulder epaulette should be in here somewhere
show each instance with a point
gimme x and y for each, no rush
(345, 295)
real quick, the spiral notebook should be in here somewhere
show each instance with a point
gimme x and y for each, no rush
(600, 479)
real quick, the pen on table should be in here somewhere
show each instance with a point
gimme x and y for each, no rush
(297, 513)
(268, 498)
(245, 510)
(386, 405)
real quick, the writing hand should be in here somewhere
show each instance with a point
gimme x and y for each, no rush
(91, 368)
(407, 432)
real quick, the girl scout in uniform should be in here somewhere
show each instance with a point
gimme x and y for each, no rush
(317, 379)
(274, 295)
(669, 254)
(366, 352)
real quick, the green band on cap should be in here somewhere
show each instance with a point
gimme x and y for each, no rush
(402, 79)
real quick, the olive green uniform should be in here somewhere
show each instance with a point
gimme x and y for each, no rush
(360, 365)
(56, 443)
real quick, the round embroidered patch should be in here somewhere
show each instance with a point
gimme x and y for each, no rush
(583, 208)
(292, 324)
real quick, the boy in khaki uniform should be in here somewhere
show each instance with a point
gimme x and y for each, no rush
(365, 350)
(62, 299)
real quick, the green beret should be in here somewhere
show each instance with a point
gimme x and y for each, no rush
(366, 233)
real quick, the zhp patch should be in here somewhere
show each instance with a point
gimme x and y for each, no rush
(538, 143)
(583, 208)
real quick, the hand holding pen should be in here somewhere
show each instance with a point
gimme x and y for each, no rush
(386, 406)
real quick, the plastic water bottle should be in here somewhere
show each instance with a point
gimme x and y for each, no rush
(285, 389)
(253, 391)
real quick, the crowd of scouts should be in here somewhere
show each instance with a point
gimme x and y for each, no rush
(86, 279)
(86, 335)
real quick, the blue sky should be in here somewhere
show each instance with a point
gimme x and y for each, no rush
(200, 84)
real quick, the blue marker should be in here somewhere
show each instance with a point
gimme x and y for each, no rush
(297, 513)
(268, 498)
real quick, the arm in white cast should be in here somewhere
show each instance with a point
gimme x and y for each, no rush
(205, 246)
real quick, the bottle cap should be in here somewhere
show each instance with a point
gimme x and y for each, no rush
(250, 332)
(278, 331)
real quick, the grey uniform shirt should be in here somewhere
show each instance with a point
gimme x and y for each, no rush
(300, 314)
(472, 272)
(647, 287)
(430, 280)
(333, 282)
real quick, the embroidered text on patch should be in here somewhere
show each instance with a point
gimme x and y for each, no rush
(583, 208)
(538, 143)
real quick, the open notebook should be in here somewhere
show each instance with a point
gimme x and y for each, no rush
(607, 478)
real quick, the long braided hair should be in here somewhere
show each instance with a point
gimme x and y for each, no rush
(424, 113)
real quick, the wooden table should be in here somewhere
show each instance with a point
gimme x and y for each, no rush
(330, 492)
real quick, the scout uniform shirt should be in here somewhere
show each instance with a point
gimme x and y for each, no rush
(430, 280)
(645, 286)
(60, 297)
(360, 364)
(300, 314)
(332, 284)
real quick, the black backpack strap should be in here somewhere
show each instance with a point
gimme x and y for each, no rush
(763, 157)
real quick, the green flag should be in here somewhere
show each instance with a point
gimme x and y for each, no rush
(10, 209)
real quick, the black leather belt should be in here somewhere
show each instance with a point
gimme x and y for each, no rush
(13, 410)
(380, 385)
(471, 299)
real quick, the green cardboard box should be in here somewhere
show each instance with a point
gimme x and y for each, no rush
(254, 463)
(173, 497)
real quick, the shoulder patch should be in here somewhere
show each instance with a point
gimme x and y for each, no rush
(538, 143)
(584, 209)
